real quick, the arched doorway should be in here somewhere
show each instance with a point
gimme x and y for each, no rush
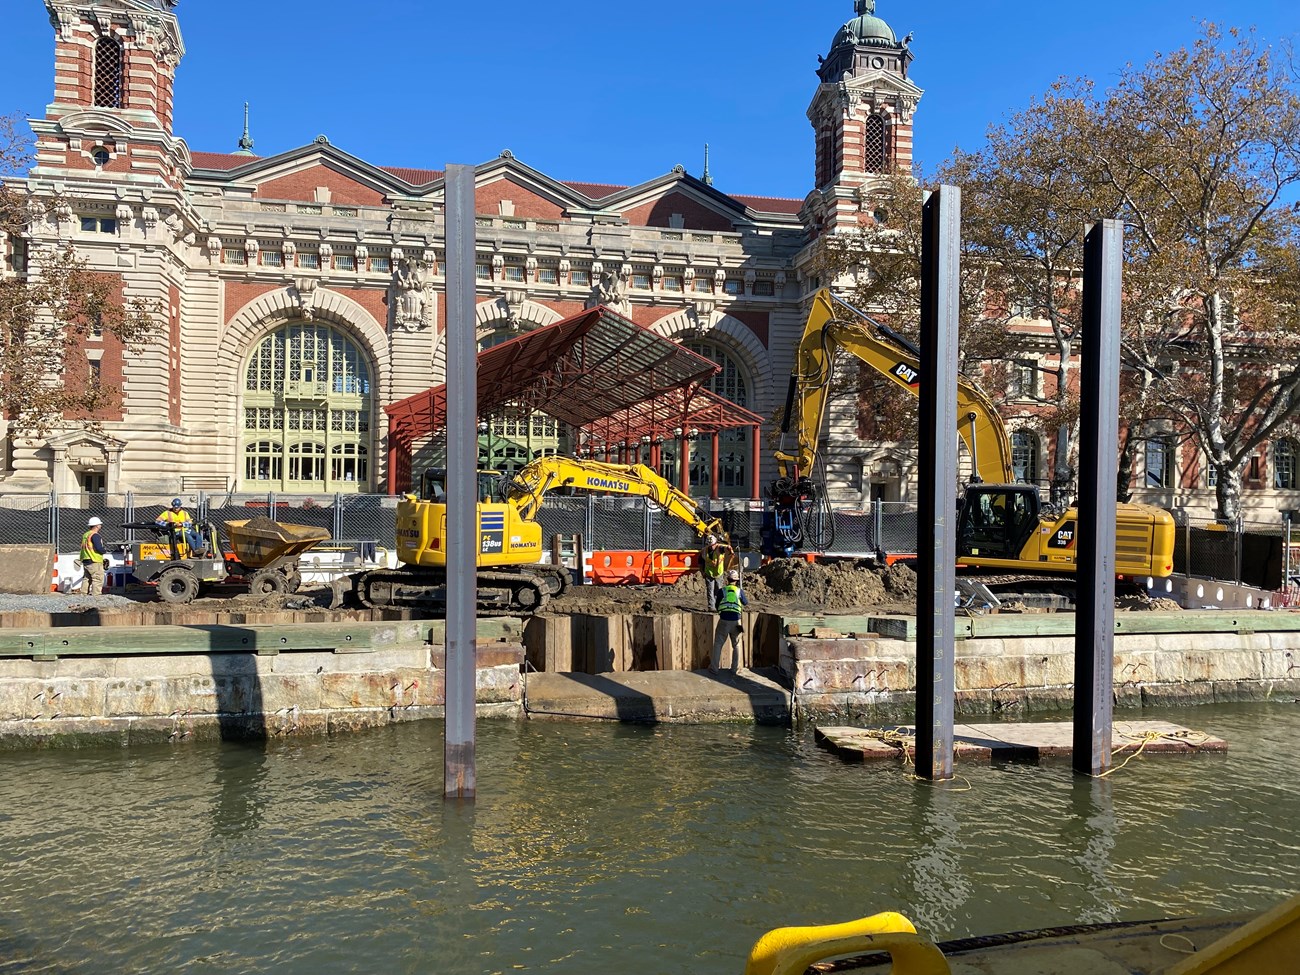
(307, 412)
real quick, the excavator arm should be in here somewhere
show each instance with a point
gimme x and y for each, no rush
(833, 327)
(526, 490)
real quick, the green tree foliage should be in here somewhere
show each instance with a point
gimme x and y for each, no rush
(1198, 151)
(51, 302)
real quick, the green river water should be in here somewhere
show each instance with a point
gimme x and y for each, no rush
(602, 848)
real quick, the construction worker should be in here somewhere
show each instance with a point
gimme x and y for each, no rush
(714, 567)
(730, 602)
(188, 539)
(93, 551)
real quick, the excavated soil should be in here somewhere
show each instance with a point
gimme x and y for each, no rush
(789, 585)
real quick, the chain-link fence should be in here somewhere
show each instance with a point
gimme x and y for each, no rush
(604, 522)
(1249, 553)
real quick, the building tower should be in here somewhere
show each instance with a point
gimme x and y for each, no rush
(861, 116)
(114, 73)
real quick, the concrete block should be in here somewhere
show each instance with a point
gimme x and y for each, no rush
(26, 568)
(1221, 665)
(42, 700)
(991, 647)
(974, 673)
(1167, 695)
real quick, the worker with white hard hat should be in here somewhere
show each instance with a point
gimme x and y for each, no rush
(714, 565)
(731, 602)
(93, 552)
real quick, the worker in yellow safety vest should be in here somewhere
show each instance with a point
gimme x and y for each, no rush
(93, 552)
(714, 567)
(189, 543)
(730, 603)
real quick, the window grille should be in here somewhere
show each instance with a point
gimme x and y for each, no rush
(345, 262)
(703, 284)
(765, 289)
(308, 260)
(514, 272)
(732, 286)
(272, 258)
(641, 282)
(233, 255)
(546, 275)
(875, 147)
(109, 64)
(580, 277)
(672, 282)
(345, 211)
(379, 264)
(482, 272)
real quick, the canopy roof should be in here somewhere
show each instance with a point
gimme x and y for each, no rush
(596, 371)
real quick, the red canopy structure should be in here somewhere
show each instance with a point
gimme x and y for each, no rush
(617, 383)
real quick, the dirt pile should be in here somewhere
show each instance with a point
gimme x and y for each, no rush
(792, 585)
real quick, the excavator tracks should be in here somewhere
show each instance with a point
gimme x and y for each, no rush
(520, 591)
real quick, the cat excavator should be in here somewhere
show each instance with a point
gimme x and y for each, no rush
(1004, 533)
(512, 579)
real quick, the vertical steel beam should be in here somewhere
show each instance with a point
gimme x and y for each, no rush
(459, 769)
(937, 553)
(1094, 631)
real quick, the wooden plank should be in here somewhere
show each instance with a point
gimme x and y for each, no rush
(1019, 741)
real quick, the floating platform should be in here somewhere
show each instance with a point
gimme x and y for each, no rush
(1017, 741)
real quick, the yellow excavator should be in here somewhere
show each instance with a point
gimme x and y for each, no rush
(1002, 526)
(511, 576)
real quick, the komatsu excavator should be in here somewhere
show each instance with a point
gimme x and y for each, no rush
(512, 579)
(1001, 526)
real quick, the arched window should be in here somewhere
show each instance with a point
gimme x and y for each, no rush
(1024, 456)
(307, 400)
(1284, 464)
(109, 64)
(875, 145)
(733, 445)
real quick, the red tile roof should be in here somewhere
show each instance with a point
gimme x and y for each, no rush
(416, 177)
(595, 191)
(219, 160)
(770, 204)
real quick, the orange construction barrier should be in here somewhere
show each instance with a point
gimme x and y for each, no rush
(624, 568)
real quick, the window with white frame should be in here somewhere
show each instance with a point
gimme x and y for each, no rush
(1024, 456)
(99, 225)
(1160, 462)
(1284, 464)
(1022, 379)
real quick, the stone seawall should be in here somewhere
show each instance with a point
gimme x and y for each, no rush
(1017, 665)
(170, 683)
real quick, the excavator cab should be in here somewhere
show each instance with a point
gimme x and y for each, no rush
(433, 485)
(997, 521)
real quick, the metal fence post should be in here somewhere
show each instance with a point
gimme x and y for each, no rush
(1236, 554)
(338, 515)
(878, 528)
(52, 521)
(270, 505)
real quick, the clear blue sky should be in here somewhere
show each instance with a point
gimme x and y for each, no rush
(610, 92)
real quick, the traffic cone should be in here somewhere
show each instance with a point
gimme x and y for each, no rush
(54, 578)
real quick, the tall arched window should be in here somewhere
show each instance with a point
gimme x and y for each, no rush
(733, 445)
(875, 145)
(1024, 456)
(109, 64)
(307, 409)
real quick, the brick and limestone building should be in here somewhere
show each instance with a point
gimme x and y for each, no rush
(299, 294)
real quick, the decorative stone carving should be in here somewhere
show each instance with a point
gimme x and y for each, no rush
(396, 255)
(624, 272)
(250, 248)
(720, 277)
(530, 265)
(779, 281)
(149, 216)
(290, 249)
(363, 255)
(515, 298)
(498, 262)
(608, 291)
(657, 273)
(304, 296)
(326, 255)
(597, 269)
(124, 215)
(411, 303)
(214, 249)
(565, 266)
(688, 274)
